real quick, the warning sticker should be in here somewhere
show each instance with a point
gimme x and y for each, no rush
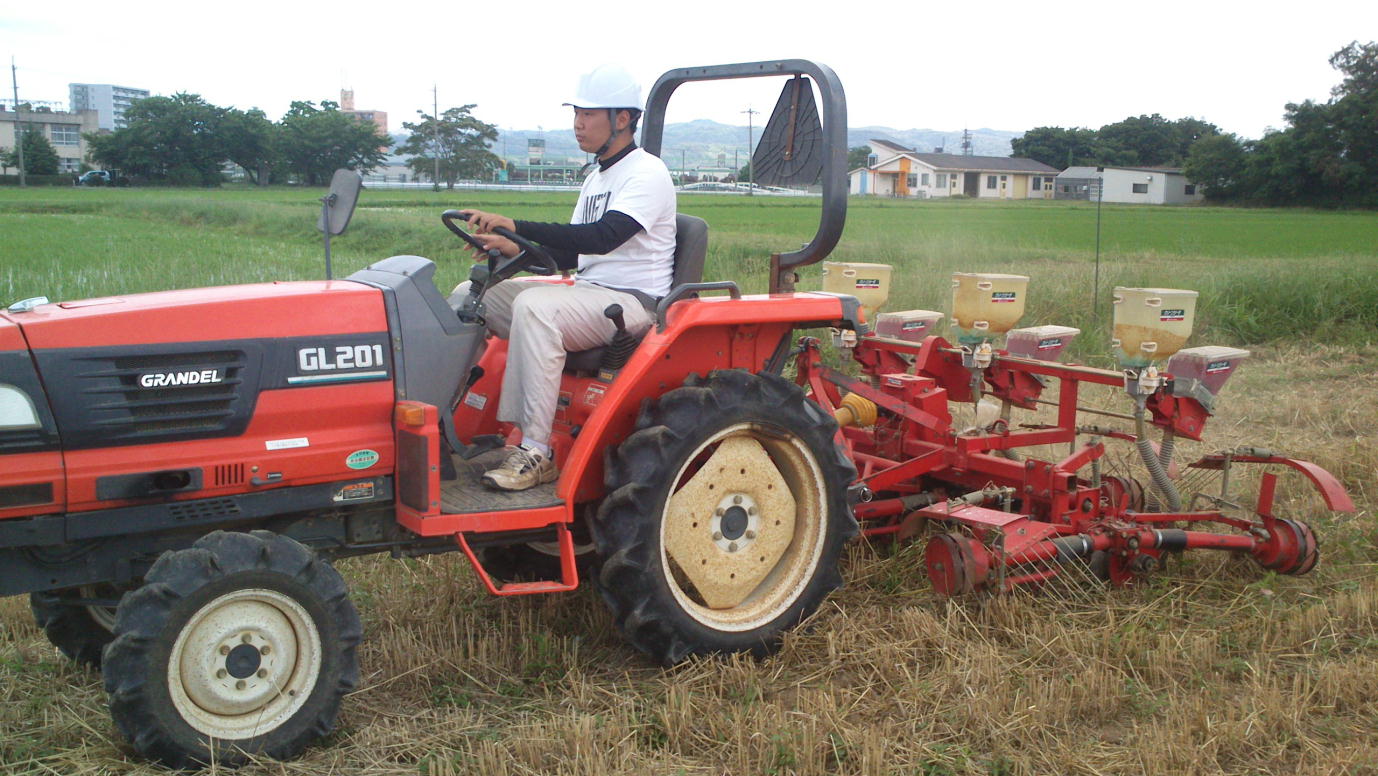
(1172, 315)
(1050, 343)
(913, 325)
(286, 444)
(894, 382)
(476, 400)
(355, 491)
(1003, 296)
(868, 282)
(1217, 366)
(594, 394)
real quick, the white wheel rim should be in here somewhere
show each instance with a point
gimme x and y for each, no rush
(780, 541)
(104, 616)
(244, 664)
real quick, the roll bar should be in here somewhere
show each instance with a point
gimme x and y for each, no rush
(833, 115)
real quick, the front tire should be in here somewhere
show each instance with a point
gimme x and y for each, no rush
(725, 519)
(79, 631)
(242, 644)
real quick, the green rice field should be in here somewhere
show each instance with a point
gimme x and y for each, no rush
(1263, 275)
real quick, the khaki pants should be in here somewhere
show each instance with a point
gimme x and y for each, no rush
(542, 322)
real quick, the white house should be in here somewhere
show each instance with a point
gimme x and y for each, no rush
(1129, 185)
(896, 171)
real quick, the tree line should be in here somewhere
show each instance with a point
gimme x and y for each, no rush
(1326, 155)
(183, 140)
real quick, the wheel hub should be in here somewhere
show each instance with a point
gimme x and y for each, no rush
(733, 523)
(243, 661)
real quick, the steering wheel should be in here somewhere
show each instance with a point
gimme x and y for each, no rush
(532, 257)
(449, 217)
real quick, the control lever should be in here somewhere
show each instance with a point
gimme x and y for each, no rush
(613, 312)
(620, 349)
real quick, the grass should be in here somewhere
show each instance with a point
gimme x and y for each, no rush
(1210, 667)
(1263, 275)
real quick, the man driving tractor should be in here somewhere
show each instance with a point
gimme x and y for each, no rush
(621, 239)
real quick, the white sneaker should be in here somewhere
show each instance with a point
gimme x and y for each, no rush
(521, 469)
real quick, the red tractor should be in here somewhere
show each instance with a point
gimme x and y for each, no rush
(181, 467)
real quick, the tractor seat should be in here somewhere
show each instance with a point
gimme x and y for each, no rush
(691, 247)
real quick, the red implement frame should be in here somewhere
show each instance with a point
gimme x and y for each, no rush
(1019, 519)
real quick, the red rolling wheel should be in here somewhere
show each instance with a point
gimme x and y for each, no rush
(1310, 548)
(1291, 548)
(956, 565)
(1114, 489)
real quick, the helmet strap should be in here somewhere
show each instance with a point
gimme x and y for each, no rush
(612, 134)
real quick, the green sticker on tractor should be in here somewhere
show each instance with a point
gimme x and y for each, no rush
(361, 459)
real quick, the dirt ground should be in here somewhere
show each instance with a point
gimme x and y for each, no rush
(1209, 667)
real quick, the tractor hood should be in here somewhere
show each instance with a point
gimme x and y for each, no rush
(259, 311)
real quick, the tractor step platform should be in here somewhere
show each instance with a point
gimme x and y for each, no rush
(466, 493)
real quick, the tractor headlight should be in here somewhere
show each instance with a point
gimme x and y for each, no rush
(16, 409)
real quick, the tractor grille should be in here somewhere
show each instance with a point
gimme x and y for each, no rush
(128, 408)
(111, 397)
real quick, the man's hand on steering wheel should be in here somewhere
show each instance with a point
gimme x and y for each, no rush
(519, 252)
(484, 223)
(505, 246)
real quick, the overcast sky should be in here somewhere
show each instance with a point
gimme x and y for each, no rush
(944, 66)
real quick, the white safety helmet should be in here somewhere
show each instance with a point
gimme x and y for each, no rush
(612, 88)
(607, 86)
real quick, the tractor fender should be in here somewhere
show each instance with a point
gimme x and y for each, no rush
(699, 336)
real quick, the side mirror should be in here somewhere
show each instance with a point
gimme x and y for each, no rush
(338, 205)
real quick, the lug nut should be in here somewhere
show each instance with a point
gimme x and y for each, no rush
(224, 650)
(736, 499)
(751, 534)
(718, 512)
(264, 649)
(220, 674)
(717, 536)
(241, 684)
(262, 673)
(732, 547)
(246, 638)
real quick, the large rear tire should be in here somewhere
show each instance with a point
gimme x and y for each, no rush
(725, 518)
(243, 644)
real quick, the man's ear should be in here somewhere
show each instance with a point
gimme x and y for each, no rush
(624, 120)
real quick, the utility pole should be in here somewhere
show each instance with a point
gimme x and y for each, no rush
(681, 166)
(435, 117)
(1100, 197)
(18, 138)
(750, 141)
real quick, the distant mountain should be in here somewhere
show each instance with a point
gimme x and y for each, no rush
(703, 143)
